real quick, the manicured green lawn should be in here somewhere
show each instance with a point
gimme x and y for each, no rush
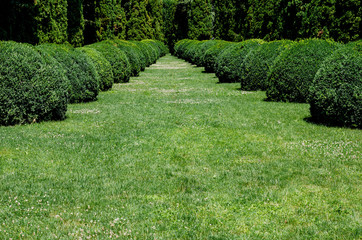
(174, 155)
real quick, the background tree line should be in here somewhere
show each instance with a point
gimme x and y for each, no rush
(80, 21)
(86, 21)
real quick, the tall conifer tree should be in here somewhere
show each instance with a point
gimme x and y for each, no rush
(139, 23)
(200, 20)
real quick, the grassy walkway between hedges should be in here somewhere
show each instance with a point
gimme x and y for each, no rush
(174, 155)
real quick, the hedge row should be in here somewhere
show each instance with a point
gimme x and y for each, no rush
(326, 74)
(37, 82)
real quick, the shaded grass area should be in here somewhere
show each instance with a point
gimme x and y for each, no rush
(173, 155)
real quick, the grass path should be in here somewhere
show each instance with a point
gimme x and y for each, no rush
(174, 155)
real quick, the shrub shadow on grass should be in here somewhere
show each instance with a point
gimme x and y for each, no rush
(314, 121)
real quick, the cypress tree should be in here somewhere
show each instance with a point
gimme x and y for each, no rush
(200, 20)
(154, 9)
(139, 24)
(52, 22)
(169, 26)
(75, 23)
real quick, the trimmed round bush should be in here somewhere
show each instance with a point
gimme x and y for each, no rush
(121, 68)
(182, 46)
(190, 51)
(294, 69)
(154, 53)
(162, 46)
(335, 95)
(229, 63)
(146, 51)
(138, 50)
(33, 87)
(210, 56)
(258, 62)
(155, 45)
(103, 67)
(82, 74)
(132, 54)
(201, 50)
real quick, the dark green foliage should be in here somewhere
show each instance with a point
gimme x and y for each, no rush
(210, 56)
(154, 9)
(201, 50)
(335, 95)
(75, 22)
(190, 50)
(121, 67)
(194, 51)
(82, 75)
(161, 46)
(104, 19)
(229, 63)
(156, 51)
(150, 51)
(132, 55)
(146, 51)
(175, 22)
(200, 20)
(229, 23)
(139, 23)
(52, 22)
(103, 68)
(257, 65)
(17, 21)
(294, 69)
(32, 87)
(182, 46)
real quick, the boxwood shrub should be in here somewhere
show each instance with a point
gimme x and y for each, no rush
(119, 61)
(190, 51)
(147, 52)
(201, 50)
(335, 95)
(132, 54)
(182, 46)
(103, 67)
(141, 55)
(161, 48)
(82, 75)
(210, 56)
(229, 62)
(152, 50)
(257, 64)
(294, 69)
(32, 87)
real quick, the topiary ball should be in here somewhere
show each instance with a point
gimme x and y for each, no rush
(211, 55)
(82, 75)
(181, 46)
(335, 95)
(294, 69)
(229, 63)
(146, 51)
(33, 87)
(191, 50)
(257, 65)
(152, 50)
(200, 51)
(132, 54)
(120, 65)
(103, 67)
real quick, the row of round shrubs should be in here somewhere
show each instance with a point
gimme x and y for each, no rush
(37, 82)
(326, 74)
